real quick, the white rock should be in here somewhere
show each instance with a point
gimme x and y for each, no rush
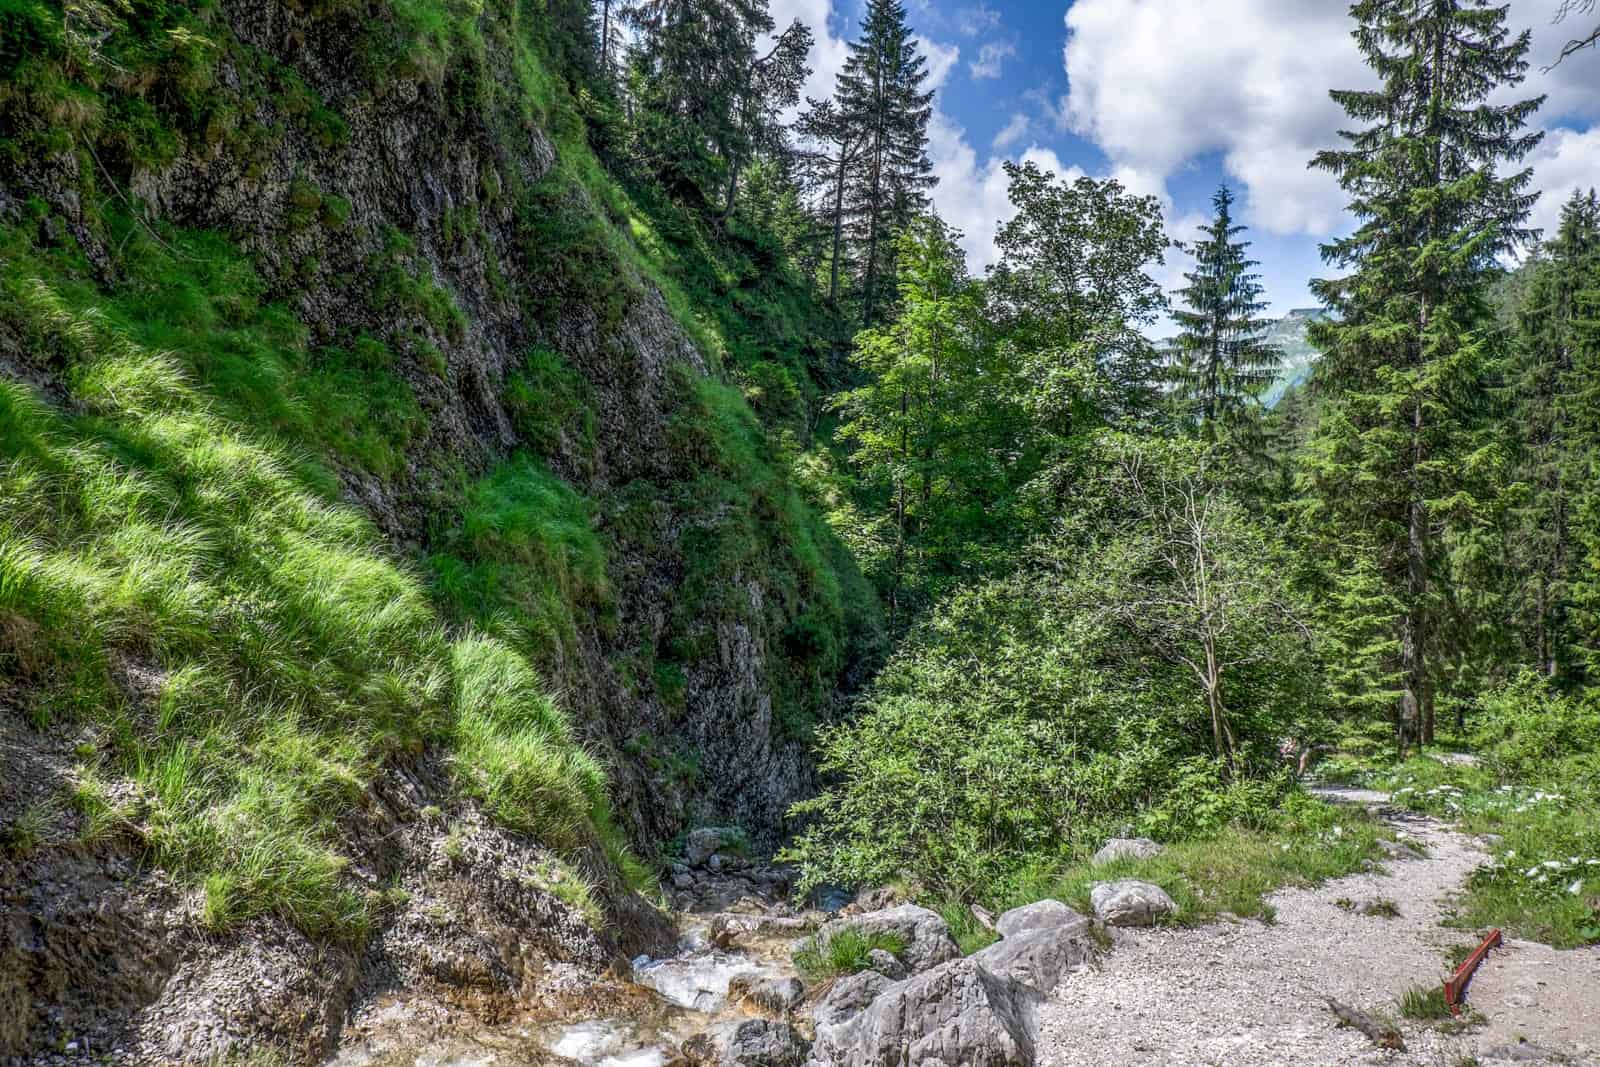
(1128, 902)
(1123, 848)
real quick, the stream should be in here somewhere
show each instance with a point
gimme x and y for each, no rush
(668, 1001)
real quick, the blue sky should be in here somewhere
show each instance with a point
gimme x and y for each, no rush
(1173, 97)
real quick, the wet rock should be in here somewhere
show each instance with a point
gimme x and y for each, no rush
(886, 964)
(1129, 902)
(926, 935)
(956, 1013)
(1127, 848)
(777, 995)
(764, 1043)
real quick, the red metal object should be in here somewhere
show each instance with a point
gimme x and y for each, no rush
(1455, 987)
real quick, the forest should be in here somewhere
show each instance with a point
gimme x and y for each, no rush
(449, 443)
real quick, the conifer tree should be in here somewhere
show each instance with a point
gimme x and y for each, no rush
(1551, 425)
(1406, 355)
(880, 94)
(1223, 360)
(705, 100)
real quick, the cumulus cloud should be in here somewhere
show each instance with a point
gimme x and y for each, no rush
(1256, 95)
(1257, 98)
(942, 59)
(828, 52)
(991, 56)
(1564, 161)
(972, 195)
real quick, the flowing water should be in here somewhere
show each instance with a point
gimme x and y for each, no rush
(678, 996)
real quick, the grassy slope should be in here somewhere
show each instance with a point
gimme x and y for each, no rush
(180, 584)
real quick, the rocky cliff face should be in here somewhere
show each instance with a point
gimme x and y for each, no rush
(411, 206)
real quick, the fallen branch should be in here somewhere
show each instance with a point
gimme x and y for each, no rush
(1382, 1034)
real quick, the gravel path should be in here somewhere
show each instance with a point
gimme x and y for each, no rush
(1247, 994)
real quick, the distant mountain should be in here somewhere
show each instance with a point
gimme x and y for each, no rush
(1289, 334)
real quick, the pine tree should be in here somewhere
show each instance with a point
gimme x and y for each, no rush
(1406, 355)
(880, 94)
(1550, 425)
(705, 101)
(835, 149)
(1224, 362)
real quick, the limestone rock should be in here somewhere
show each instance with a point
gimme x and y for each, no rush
(1035, 959)
(926, 935)
(702, 844)
(777, 995)
(1040, 915)
(958, 1013)
(763, 1043)
(886, 964)
(1129, 902)
(1126, 848)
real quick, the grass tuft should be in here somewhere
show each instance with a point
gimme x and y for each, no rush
(842, 954)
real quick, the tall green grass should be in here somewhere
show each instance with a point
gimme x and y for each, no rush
(246, 654)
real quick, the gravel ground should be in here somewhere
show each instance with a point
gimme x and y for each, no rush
(1247, 994)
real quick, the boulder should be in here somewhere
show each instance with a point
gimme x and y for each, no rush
(1129, 902)
(886, 964)
(702, 843)
(764, 1043)
(837, 1010)
(926, 935)
(1040, 915)
(777, 995)
(1127, 848)
(958, 1013)
(1035, 958)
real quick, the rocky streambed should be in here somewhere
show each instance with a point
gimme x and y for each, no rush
(730, 996)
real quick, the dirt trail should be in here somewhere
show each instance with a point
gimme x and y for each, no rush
(1247, 994)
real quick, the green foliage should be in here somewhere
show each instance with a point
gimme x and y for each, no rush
(524, 561)
(843, 953)
(750, 517)
(1029, 717)
(1398, 479)
(1225, 872)
(550, 406)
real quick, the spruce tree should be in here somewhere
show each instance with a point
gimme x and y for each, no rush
(1406, 355)
(880, 94)
(1551, 428)
(1224, 363)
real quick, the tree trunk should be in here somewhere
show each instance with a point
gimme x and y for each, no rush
(838, 228)
(1416, 710)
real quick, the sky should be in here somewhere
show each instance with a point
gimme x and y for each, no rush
(1173, 98)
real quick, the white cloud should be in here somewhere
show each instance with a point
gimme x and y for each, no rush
(1566, 160)
(990, 58)
(1014, 131)
(973, 196)
(1256, 95)
(942, 59)
(828, 52)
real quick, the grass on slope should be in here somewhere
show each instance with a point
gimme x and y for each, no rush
(179, 583)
